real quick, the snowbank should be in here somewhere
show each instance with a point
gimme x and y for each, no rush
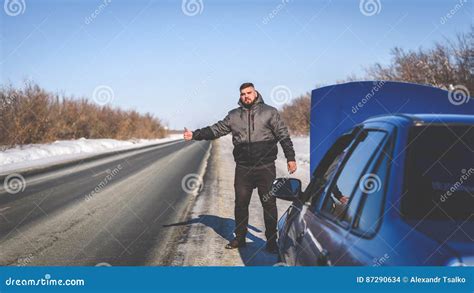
(32, 155)
(301, 145)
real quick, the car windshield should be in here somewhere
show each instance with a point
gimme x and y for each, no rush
(439, 176)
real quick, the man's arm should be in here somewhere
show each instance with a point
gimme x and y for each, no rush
(281, 133)
(214, 131)
(339, 196)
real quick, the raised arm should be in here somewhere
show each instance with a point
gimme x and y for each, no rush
(214, 131)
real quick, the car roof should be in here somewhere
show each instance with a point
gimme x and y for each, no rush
(421, 119)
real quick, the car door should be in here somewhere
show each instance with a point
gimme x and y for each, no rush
(323, 227)
(364, 244)
(295, 223)
(291, 234)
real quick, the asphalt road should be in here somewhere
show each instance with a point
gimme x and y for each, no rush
(58, 220)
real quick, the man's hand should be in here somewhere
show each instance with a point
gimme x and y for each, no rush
(292, 167)
(344, 199)
(188, 135)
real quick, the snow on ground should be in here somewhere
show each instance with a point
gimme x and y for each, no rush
(35, 155)
(200, 240)
(301, 145)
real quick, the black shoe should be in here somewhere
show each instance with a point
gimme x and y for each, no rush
(271, 247)
(235, 243)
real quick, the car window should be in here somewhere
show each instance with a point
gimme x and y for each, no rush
(439, 176)
(326, 169)
(337, 199)
(371, 191)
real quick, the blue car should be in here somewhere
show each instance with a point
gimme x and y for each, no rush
(396, 190)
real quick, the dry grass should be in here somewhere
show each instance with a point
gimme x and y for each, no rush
(32, 115)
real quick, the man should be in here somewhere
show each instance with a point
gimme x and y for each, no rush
(256, 128)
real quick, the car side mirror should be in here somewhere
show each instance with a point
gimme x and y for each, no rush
(286, 188)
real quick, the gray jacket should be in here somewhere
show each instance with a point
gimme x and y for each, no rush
(255, 133)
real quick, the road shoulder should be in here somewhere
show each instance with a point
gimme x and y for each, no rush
(200, 240)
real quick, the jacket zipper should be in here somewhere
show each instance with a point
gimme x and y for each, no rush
(253, 122)
(249, 125)
(249, 133)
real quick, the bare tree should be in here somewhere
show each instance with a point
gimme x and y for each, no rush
(445, 65)
(297, 114)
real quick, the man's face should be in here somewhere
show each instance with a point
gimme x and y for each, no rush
(248, 95)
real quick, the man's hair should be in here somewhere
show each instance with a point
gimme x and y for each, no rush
(246, 85)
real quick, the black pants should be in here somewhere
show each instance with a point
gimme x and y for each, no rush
(246, 179)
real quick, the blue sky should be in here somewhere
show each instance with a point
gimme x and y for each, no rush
(186, 69)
